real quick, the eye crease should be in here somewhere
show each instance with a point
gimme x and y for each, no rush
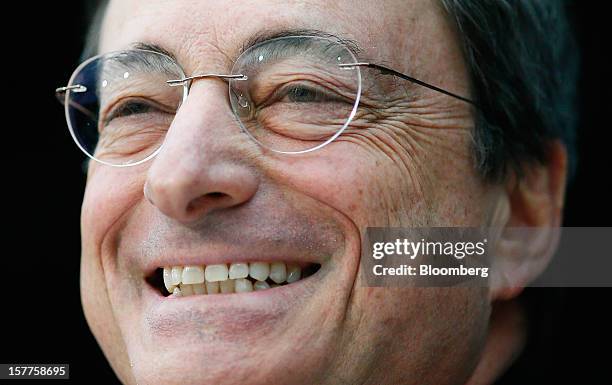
(132, 107)
(303, 94)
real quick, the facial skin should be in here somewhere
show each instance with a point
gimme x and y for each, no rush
(213, 193)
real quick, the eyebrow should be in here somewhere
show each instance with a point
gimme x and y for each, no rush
(136, 59)
(153, 47)
(261, 37)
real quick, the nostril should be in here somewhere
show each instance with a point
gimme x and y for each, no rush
(147, 193)
(209, 199)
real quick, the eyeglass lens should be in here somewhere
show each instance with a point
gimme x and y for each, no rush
(294, 98)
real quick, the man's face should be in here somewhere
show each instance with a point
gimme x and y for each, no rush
(215, 196)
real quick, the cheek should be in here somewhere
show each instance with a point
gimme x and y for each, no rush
(420, 172)
(355, 183)
(455, 321)
(109, 196)
(373, 183)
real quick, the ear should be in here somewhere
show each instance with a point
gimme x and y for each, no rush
(528, 217)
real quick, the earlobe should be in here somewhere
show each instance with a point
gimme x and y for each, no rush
(521, 254)
(527, 224)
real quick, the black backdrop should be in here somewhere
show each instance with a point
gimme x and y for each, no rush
(43, 184)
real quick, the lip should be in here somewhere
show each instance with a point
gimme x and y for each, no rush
(235, 313)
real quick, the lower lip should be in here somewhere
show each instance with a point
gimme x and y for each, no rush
(236, 311)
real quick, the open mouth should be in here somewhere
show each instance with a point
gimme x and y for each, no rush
(241, 277)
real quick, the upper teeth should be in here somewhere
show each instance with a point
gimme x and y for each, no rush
(212, 279)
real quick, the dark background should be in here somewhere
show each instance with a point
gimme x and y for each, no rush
(43, 183)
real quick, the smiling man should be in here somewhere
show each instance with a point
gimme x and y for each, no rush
(242, 148)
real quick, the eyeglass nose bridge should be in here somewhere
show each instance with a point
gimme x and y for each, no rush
(181, 82)
(186, 82)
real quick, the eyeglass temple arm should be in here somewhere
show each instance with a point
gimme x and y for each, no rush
(60, 94)
(388, 71)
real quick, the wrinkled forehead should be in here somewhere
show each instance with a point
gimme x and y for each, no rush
(205, 34)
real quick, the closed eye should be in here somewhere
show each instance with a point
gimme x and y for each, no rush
(127, 108)
(302, 93)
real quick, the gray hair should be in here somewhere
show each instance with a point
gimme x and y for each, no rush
(522, 60)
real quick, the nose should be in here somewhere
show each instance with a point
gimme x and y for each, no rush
(202, 165)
